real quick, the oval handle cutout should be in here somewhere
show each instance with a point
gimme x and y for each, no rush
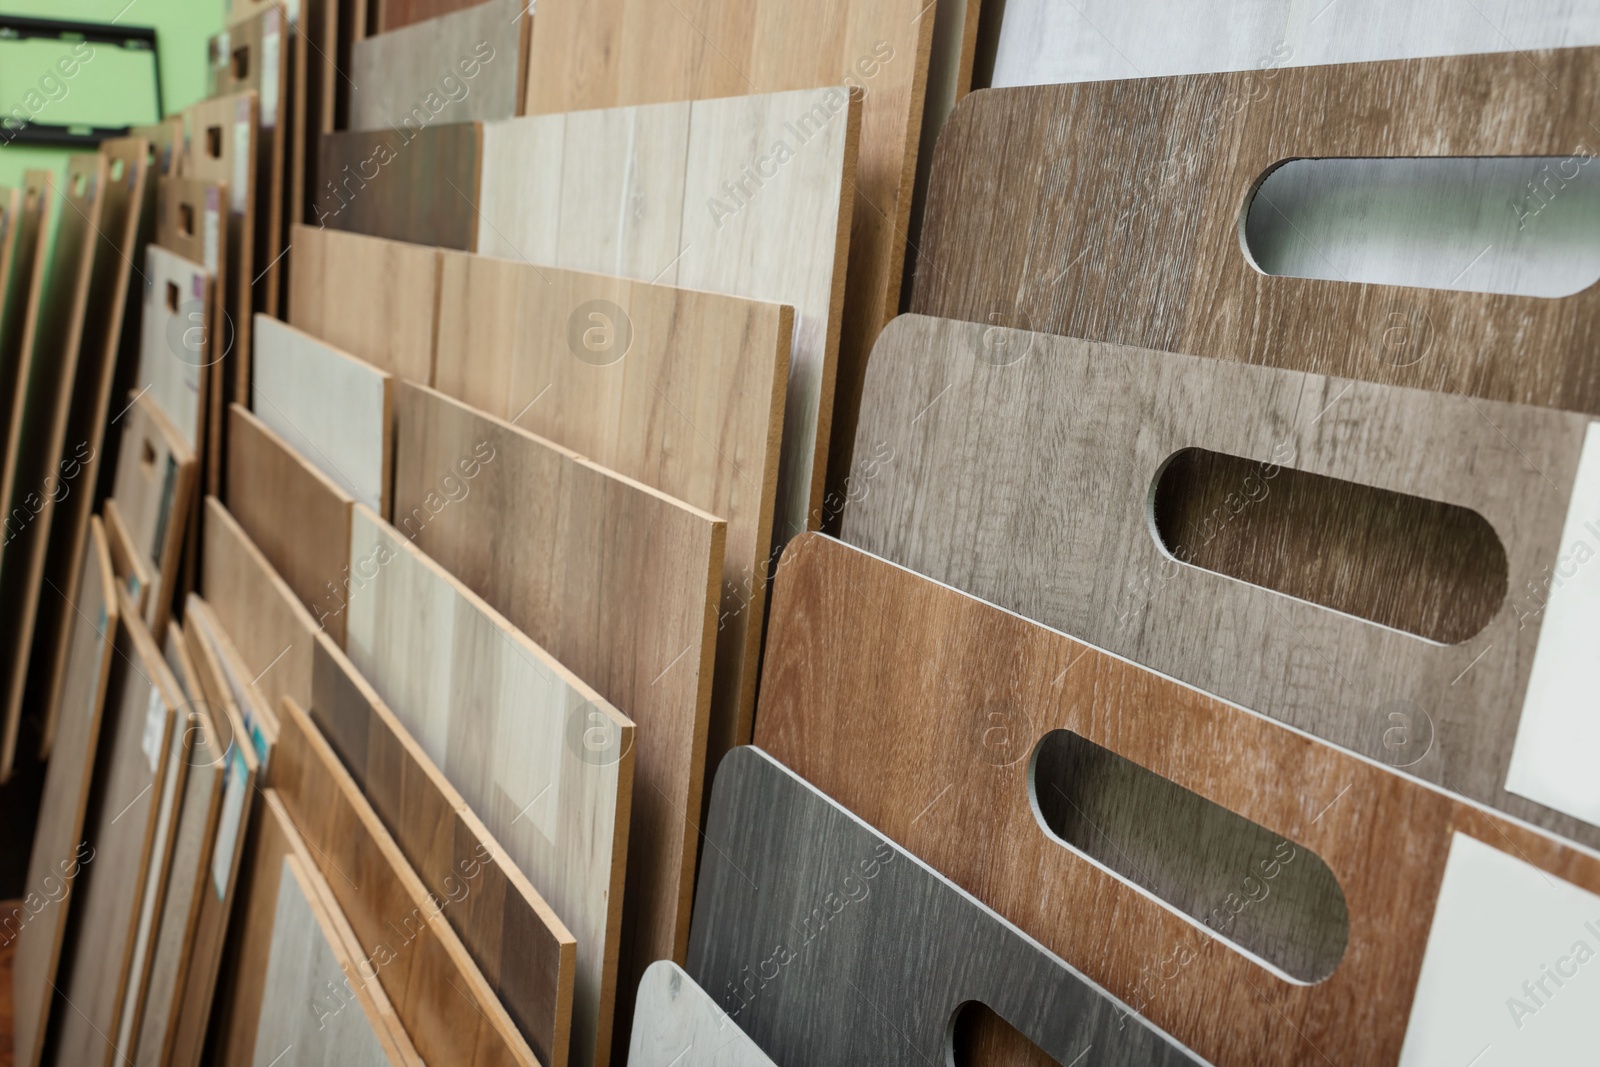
(1273, 898)
(980, 1035)
(1434, 570)
(1525, 226)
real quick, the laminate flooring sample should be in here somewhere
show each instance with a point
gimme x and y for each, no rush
(454, 67)
(1043, 486)
(59, 848)
(782, 850)
(333, 409)
(653, 193)
(126, 561)
(393, 14)
(20, 249)
(1235, 881)
(542, 758)
(617, 582)
(408, 183)
(675, 1017)
(174, 351)
(155, 475)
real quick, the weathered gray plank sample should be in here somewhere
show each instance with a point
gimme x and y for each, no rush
(676, 1022)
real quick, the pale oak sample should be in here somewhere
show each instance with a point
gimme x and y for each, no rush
(127, 561)
(674, 1015)
(155, 475)
(454, 67)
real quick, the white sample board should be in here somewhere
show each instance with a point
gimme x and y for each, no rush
(173, 347)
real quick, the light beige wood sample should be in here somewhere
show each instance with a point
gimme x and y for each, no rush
(330, 407)
(59, 848)
(174, 351)
(296, 515)
(693, 408)
(124, 811)
(699, 195)
(155, 475)
(676, 1017)
(376, 299)
(465, 65)
(215, 649)
(614, 580)
(542, 758)
(127, 562)
(316, 1008)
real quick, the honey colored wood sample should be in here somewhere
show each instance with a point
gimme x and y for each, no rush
(614, 580)
(59, 847)
(21, 249)
(393, 14)
(442, 999)
(155, 477)
(858, 645)
(458, 67)
(416, 184)
(1000, 483)
(330, 407)
(214, 648)
(526, 954)
(166, 145)
(674, 1016)
(375, 299)
(1087, 247)
(679, 193)
(124, 809)
(133, 574)
(296, 515)
(784, 849)
(542, 758)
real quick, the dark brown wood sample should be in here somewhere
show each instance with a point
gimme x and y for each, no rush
(918, 707)
(393, 14)
(871, 952)
(416, 185)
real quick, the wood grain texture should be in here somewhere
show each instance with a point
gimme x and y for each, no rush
(295, 514)
(450, 1011)
(126, 561)
(458, 67)
(680, 193)
(524, 951)
(1000, 484)
(331, 408)
(155, 477)
(124, 809)
(175, 352)
(375, 299)
(57, 859)
(411, 183)
(393, 14)
(22, 246)
(694, 408)
(1074, 242)
(614, 580)
(783, 849)
(674, 1016)
(880, 686)
(542, 758)
(629, 52)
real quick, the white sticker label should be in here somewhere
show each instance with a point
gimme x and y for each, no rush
(155, 724)
(239, 188)
(1511, 975)
(224, 54)
(233, 798)
(1559, 733)
(269, 70)
(211, 233)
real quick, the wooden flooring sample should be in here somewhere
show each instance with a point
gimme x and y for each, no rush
(375, 299)
(783, 849)
(295, 514)
(442, 999)
(393, 14)
(213, 647)
(20, 248)
(59, 848)
(127, 563)
(542, 758)
(407, 184)
(673, 1016)
(328, 406)
(1084, 250)
(1063, 534)
(972, 699)
(653, 193)
(174, 352)
(524, 951)
(615, 581)
(155, 475)
(457, 67)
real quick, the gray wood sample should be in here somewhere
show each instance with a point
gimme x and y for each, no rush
(676, 1022)
(1028, 483)
(457, 67)
(827, 944)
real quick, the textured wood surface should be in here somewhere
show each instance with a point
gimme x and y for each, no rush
(393, 14)
(614, 580)
(783, 849)
(524, 951)
(155, 475)
(542, 758)
(450, 1011)
(295, 514)
(1001, 474)
(331, 408)
(59, 847)
(1151, 256)
(884, 688)
(675, 1018)
(235, 687)
(407, 184)
(126, 562)
(375, 299)
(694, 408)
(649, 193)
(20, 248)
(457, 67)
(174, 351)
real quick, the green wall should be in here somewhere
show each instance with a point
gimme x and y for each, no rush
(112, 85)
